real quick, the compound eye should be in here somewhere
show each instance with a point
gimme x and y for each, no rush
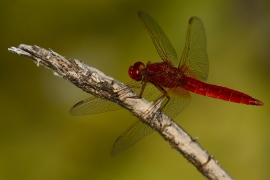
(135, 71)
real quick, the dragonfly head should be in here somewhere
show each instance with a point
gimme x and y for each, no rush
(135, 71)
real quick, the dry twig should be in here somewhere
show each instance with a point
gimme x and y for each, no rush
(97, 83)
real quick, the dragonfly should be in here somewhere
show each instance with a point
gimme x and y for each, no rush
(174, 78)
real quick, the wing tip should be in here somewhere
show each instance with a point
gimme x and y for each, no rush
(140, 13)
(193, 19)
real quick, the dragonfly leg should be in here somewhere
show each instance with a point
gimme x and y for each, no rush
(141, 93)
(164, 94)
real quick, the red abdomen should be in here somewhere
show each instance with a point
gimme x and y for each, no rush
(218, 92)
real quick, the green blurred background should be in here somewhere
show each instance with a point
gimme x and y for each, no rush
(39, 139)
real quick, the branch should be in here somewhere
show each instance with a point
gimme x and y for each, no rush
(97, 83)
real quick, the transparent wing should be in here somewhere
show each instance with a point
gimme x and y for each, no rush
(134, 133)
(179, 100)
(160, 40)
(95, 105)
(194, 61)
(136, 86)
(131, 136)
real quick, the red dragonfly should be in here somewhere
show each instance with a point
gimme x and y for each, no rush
(172, 77)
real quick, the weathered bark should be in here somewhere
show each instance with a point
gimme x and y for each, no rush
(97, 83)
